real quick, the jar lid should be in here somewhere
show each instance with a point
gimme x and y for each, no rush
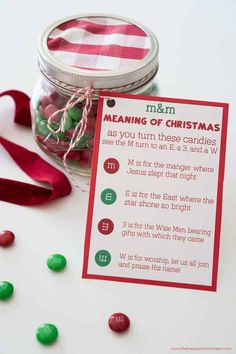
(100, 51)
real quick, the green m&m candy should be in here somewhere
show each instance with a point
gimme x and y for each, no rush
(42, 127)
(75, 113)
(6, 290)
(68, 122)
(56, 262)
(39, 117)
(83, 142)
(47, 333)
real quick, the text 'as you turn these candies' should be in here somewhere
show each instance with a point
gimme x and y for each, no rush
(56, 262)
(47, 333)
(7, 238)
(119, 322)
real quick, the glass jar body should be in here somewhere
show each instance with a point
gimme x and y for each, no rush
(47, 99)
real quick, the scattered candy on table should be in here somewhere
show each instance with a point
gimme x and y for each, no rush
(47, 333)
(119, 322)
(6, 290)
(56, 262)
(7, 238)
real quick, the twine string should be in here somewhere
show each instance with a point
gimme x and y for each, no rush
(80, 95)
(81, 126)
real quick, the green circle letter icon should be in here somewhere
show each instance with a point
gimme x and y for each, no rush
(108, 196)
(102, 258)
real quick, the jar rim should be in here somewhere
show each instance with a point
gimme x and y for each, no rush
(98, 79)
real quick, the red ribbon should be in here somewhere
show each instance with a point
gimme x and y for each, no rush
(33, 165)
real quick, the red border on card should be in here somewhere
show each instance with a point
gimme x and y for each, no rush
(211, 287)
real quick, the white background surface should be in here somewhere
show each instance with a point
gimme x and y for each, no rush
(197, 60)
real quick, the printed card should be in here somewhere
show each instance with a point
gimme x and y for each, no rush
(155, 201)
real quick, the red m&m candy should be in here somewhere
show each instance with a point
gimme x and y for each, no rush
(44, 101)
(49, 110)
(119, 322)
(6, 238)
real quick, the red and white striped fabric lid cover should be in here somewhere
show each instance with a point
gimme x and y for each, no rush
(91, 49)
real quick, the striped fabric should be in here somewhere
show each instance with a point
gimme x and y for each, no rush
(98, 43)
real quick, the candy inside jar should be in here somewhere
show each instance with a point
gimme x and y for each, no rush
(78, 57)
(56, 144)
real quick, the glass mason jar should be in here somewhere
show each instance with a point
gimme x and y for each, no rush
(99, 52)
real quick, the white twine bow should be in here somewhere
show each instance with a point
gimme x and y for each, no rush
(81, 95)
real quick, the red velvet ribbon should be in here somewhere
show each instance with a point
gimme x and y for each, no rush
(33, 165)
